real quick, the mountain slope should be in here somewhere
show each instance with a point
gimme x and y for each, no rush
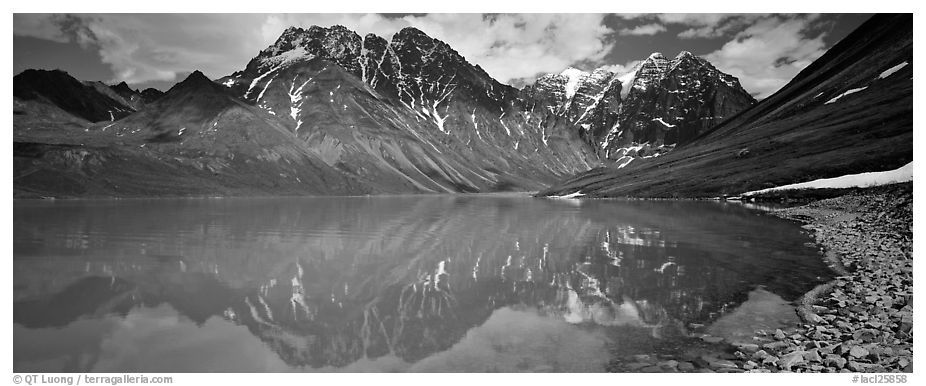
(41, 121)
(135, 98)
(196, 139)
(850, 111)
(63, 91)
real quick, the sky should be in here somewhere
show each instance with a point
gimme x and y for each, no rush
(157, 50)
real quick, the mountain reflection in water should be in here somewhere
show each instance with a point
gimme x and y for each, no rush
(418, 283)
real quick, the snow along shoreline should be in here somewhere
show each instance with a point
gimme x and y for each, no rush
(861, 180)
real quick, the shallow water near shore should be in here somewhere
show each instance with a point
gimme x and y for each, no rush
(403, 283)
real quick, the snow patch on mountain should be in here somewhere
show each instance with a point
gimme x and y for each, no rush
(287, 57)
(861, 180)
(596, 100)
(627, 80)
(852, 91)
(892, 70)
(634, 148)
(613, 133)
(475, 125)
(257, 80)
(624, 161)
(440, 120)
(573, 76)
(502, 122)
(570, 195)
(261, 95)
(663, 122)
(295, 101)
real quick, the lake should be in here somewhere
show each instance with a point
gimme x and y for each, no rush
(402, 283)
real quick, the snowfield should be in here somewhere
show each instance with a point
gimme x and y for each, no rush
(663, 122)
(626, 81)
(852, 91)
(861, 180)
(570, 195)
(892, 70)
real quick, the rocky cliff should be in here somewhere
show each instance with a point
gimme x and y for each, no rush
(646, 112)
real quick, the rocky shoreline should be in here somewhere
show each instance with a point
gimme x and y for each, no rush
(862, 321)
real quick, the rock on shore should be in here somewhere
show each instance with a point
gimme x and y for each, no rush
(861, 321)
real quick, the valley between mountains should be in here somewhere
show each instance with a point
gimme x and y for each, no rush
(325, 111)
(325, 283)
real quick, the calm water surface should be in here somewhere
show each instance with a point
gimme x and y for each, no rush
(417, 283)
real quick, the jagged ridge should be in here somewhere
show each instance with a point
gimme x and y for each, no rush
(413, 115)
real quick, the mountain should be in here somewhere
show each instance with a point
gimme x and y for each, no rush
(850, 111)
(205, 128)
(412, 106)
(661, 103)
(150, 94)
(135, 98)
(195, 139)
(326, 111)
(59, 89)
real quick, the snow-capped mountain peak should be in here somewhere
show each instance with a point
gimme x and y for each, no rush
(337, 44)
(683, 54)
(410, 106)
(659, 102)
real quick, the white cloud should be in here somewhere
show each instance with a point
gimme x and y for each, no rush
(158, 47)
(510, 47)
(39, 26)
(273, 25)
(646, 29)
(621, 69)
(700, 25)
(703, 32)
(523, 45)
(150, 47)
(59, 28)
(769, 53)
(765, 51)
(711, 25)
(694, 19)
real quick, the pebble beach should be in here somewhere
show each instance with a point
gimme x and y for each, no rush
(861, 321)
